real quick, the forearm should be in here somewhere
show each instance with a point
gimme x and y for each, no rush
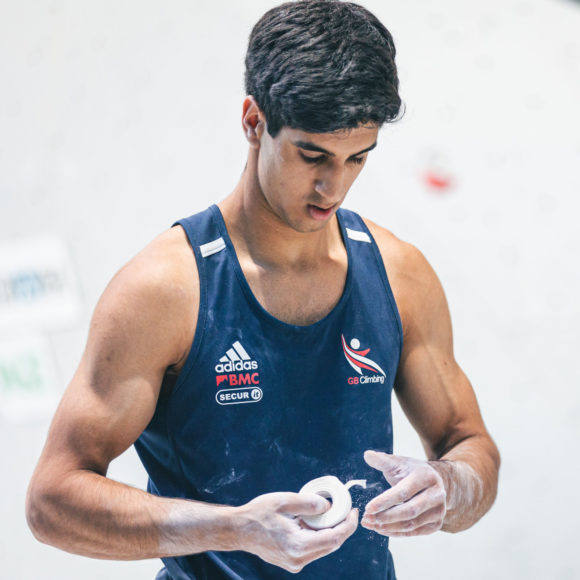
(88, 514)
(470, 474)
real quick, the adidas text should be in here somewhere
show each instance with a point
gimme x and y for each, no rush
(230, 366)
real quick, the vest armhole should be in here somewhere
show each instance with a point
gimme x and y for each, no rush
(200, 327)
(383, 273)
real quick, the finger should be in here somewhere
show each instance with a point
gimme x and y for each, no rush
(393, 467)
(398, 494)
(429, 499)
(314, 544)
(431, 517)
(330, 539)
(422, 531)
(302, 504)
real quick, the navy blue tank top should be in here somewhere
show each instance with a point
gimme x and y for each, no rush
(262, 405)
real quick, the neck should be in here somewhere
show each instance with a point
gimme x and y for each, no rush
(258, 232)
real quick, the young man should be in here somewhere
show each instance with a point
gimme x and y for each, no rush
(254, 347)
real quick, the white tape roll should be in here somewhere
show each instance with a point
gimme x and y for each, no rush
(332, 488)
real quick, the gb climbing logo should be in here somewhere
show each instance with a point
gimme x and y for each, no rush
(369, 371)
(239, 372)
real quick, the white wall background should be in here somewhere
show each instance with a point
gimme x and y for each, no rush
(116, 118)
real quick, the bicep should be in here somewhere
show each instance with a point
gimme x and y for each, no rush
(133, 338)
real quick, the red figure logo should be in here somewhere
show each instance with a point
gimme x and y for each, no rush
(358, 359)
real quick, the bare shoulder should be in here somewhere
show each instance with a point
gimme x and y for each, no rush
(155, 293)
(415, 284)
(166, 265)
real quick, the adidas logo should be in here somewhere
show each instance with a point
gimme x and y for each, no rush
(236, 359)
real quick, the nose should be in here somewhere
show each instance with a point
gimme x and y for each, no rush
(330, 183)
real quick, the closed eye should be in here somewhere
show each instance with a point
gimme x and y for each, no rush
(322, 158)
(313, 160)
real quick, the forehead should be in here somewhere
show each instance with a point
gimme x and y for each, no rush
(345, 140)
(349, 134)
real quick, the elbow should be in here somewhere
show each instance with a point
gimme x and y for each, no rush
(496, 457)
(496, 462)
(37, 513)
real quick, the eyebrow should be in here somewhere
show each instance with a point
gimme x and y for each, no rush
(309, 146)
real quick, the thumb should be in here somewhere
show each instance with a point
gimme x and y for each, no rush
(394, 467)
(304, 504)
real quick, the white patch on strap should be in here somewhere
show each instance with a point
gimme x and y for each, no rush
(358, 236)
(212, 247)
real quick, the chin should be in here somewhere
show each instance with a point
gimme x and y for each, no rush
(309, 226)
(303, 223)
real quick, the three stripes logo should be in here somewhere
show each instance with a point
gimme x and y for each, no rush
(236, 359)
(237, 370)
(357, 358)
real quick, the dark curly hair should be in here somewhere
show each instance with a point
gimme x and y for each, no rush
(322, 66)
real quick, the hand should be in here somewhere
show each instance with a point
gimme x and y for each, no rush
(416, 503)
(272, 530)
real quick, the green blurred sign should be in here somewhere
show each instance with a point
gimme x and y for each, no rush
(28, 383)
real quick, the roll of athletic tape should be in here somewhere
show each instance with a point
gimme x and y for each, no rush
(332, 488)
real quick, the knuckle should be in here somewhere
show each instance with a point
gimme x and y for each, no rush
(277, 502)
(413, 511)
(313, 504)
(294, 551)
(295, 561)
(294, 568)
(429, 528)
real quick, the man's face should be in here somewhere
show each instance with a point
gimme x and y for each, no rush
(304, 177)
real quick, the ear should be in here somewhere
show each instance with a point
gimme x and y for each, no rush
(253, 121)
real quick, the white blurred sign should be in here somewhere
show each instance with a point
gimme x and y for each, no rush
(38, 288)
(28, 378)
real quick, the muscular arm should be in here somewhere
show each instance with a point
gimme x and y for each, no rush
(440, 403)
(138, 331)
(142, 326)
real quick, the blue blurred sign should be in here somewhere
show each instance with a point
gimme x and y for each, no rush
(38, 286)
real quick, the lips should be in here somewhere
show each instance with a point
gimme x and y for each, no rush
(320, 213)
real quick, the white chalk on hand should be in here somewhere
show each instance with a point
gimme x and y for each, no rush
(332, 488)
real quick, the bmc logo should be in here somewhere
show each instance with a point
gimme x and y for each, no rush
(238, 380)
